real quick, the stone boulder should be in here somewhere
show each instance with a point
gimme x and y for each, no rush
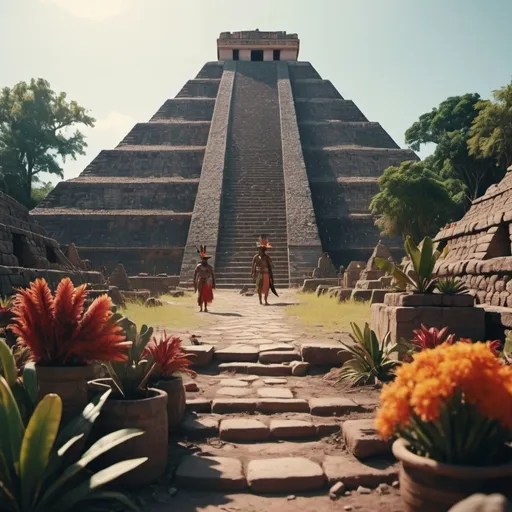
(120, 278)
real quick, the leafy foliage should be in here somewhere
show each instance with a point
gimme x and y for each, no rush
(372, 360)
(58, 331)
(430, 338)
(421, 279)
(168, 355)
(413, 200)
(131, 376)
(451, 286)
(39, 193)
(36, 474)
(449, 126)
(491, 132)
(34, 133)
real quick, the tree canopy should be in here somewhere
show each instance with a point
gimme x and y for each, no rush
(448, 126)
(36, 134)
(413, 201)
(491, 132)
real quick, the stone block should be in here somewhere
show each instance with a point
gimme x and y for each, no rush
(282, 356)
(243, 430)
(269, 370)
(233, 405)
(200, 405)
(299, 368)
(378, 296)
(354, 473)
(290, 474)
(327, 428)
(463, 300)
(361, 295)
(310, 285)
(237, 353)
(276, 347)
(200, 427)
(345, 294)
(292, 429)
(234, 383)
(201, 355)
(323, 354)
(332, 406)
(362, 439)
(211, 473)
(275, 393)
(237, 392)
(275, 381)
(281, 405)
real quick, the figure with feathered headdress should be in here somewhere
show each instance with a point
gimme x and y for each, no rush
(204, 280)
(262, 270)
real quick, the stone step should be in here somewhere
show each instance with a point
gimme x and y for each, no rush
(272, 370)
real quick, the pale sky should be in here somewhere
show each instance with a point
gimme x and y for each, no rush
(122, 59)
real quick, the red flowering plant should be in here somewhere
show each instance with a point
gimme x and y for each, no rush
(430, 338)
(57, 330)
(169, 357)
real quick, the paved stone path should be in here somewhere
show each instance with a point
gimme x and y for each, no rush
(263, 419)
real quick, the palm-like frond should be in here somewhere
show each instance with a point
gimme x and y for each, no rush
(168, 355)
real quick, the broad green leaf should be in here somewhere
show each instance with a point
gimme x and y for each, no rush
(413, 252)
(96, 481)
(99, 448)
(7, 364)
(30, 382)
(37, 445)
(11, 426)
(116, 497)
(427, 260)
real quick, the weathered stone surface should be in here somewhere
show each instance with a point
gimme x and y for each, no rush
(200, 427)
(243, 430)
(275, 393)
(310, 285)
(276, 347)
(279, 405)
(321, 354)
(202, 355)
(291, 474)
(211, 473)
(327, 428)
(362, 440)
(275, 381)
(234, 383)
(279, 357)
(199, 405)
(234, 392)
(271, 370)
(233, 405)
(292, 429)
(299, 368)
(191, 387)
(248, 378)
(238, 353)
(354, 473)
(332, 406)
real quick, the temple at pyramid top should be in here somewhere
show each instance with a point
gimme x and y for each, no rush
(258, 143)
(255, 45)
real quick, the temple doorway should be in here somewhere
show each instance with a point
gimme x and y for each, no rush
(257, 55)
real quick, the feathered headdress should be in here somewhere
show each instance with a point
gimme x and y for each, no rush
(263, 242)
(201, 250)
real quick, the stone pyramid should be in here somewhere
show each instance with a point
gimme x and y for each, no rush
(258, 143)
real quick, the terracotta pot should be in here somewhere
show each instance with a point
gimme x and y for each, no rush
(430, 486)
(69, 382)
(148, 414)
(176, 400)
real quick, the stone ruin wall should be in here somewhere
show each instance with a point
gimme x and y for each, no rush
(26, 252)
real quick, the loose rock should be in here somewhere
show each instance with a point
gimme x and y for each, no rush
(337, 489)
(363, 490)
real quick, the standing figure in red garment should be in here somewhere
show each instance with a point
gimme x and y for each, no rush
(204, 280)
(262, 270)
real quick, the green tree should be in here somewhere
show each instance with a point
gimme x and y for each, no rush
(448, 127)
(413, 201)
(40, 192)
(491, 133)
(35, 133)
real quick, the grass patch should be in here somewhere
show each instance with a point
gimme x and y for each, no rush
(313, 311)
(176, 313)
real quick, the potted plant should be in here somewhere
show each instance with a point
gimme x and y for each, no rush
(37, 476)
(64, 340)
(450, 410)
(135, 404)
(424, 298)
(170, 359)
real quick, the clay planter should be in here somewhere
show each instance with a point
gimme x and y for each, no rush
(148, 414)
(176, 400)
(430, 486)
(69, 382)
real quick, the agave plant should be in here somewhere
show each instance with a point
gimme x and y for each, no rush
(372, 360)
(451, 286)
(36, 474)
(421, 279)
(431, 338)
(131, 377)
(6, 304)
(168, 355)
(57, 330)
